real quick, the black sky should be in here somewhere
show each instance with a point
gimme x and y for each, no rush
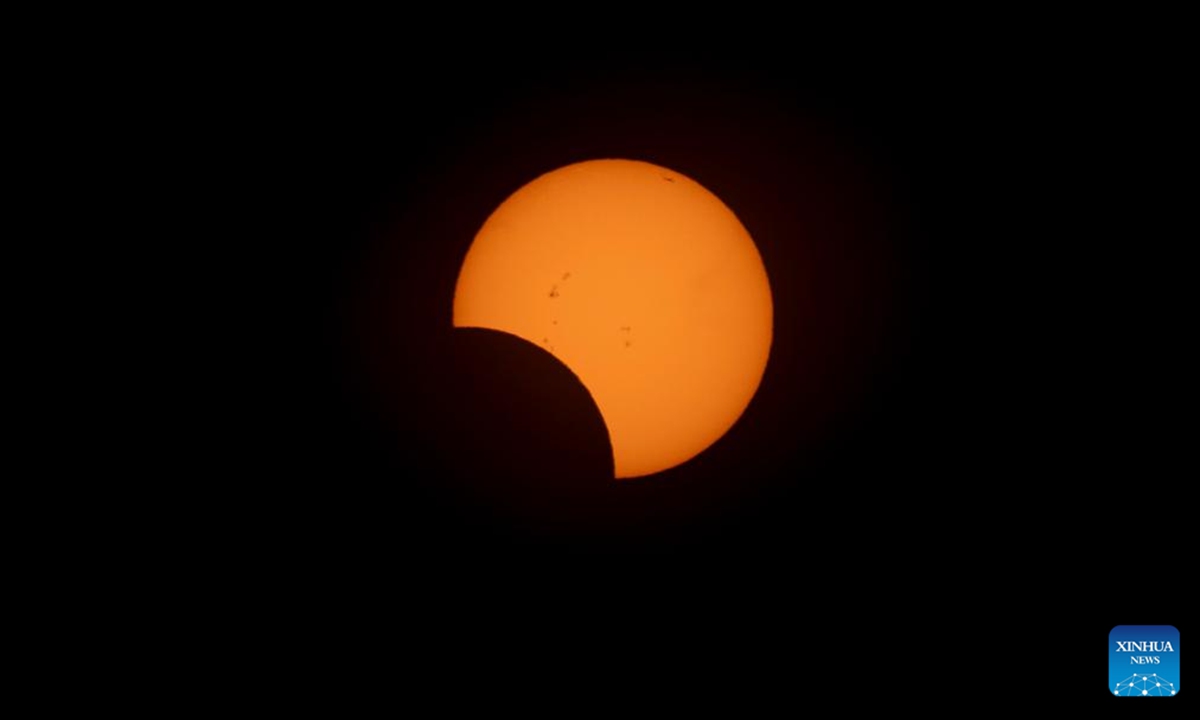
(976, 266)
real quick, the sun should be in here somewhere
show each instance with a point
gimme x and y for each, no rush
(645, 285)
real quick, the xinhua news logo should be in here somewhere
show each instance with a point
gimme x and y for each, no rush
(1143, 661)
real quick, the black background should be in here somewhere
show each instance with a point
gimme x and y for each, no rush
(971, 420)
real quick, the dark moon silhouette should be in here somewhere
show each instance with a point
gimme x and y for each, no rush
(518, 437)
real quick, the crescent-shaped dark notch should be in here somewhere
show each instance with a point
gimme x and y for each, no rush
(519, 437)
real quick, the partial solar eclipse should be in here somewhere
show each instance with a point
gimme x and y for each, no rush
(645, 285)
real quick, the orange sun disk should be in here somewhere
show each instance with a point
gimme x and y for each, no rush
(645, 285)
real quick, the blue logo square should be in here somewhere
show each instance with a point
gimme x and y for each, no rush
(1143, 661)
